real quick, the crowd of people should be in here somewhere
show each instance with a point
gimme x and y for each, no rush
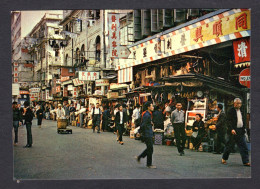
(121, 118)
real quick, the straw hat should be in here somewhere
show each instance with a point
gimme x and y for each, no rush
(59, 105)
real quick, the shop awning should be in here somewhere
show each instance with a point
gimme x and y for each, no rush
(211, 82)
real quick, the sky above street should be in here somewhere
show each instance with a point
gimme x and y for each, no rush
(32, 18)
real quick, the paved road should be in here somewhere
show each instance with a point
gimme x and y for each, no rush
(87, 155)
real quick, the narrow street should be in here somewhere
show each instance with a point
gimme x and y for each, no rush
(87, 155)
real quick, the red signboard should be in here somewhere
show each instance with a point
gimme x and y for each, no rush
(242, 50)
(245, 77)
(24, 92)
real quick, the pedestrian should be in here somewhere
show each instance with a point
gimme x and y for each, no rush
(236, 133)
(47, 111)
(28, 122)
(120, 120)
(136, 116)
(158, 118)
(147, 130)
(198, 131)
(96, 118)
(221, 129)
(177, 119)
(60, 112)
(17, 121)
(21, 110)
(72, 113)
(105, 118)
(39, 114)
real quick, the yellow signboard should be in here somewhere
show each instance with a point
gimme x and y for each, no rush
(227, 25)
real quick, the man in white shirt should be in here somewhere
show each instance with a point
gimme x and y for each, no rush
(136, 115)
(96, 118)
(60, 112)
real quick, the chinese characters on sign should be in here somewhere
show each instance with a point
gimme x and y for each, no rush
(217, 28)
(88, 76)
(77, 82)
(102, 82)
(113, 31)
(198, 34)
(241, 21)
(242, 50)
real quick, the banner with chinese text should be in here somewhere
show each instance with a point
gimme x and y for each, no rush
(242, 50)
(88, 76)
(114, 34)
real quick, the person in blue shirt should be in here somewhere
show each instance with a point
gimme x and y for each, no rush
(147, 130)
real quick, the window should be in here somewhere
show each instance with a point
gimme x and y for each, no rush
(57, 52)
(57, 31)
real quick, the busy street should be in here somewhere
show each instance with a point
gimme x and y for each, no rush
(144, 93)
(87, 155)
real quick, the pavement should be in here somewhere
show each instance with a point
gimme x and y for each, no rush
(87, 155)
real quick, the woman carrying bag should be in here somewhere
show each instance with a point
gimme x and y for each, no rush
(198, 131)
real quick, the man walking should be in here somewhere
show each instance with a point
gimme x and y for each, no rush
(221, 129)
(17, 120)
(28, 122)
(177, 119)
(236, 133)
(147, 130)
(120, 120)
(96, 117)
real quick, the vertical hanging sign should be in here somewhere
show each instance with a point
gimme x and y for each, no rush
(114, 34)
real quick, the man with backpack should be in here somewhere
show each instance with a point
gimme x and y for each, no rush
(28, 122)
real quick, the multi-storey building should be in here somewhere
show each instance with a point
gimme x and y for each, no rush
(46, 52)
(22, 68)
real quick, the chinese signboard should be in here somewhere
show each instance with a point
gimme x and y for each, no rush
(64, 78)
(77, 82)
(245, 77)
(113, 32)
(242, 50)
(102, 82)
(230, 25)
(88, 76)
(75, 92)
(34, 90)
(58, 89)
(65, 91)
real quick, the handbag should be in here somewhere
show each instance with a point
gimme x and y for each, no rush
(194, 134)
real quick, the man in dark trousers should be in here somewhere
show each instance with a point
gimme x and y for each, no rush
(39, 114)
(221, 129)
(177, 120)
(105, 119)
(17, 120)
(96, 118)
(147, 130)
(120, 120)
(28, 122)
(236, 133)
